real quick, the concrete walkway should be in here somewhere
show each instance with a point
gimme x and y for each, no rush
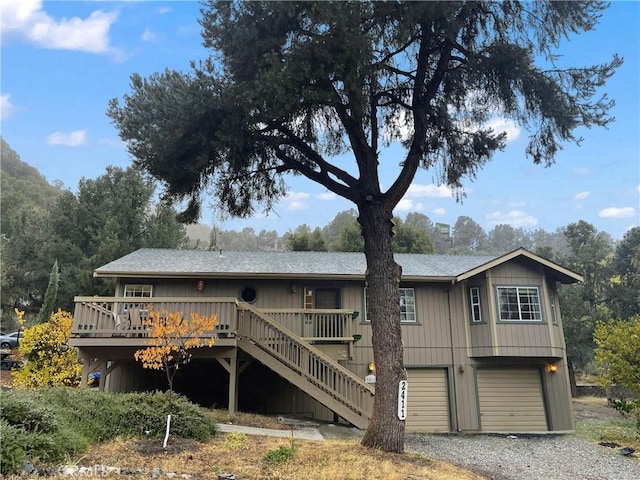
(301, 434)
(319, 432)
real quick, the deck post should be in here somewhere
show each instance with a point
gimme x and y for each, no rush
(86, 366)
(233, 384)
(103, 375)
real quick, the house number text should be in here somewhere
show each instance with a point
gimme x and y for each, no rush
(402, 399)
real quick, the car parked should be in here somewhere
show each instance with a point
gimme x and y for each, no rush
(10, 340)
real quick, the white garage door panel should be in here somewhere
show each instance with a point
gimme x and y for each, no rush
(428, 402)
(511, 400)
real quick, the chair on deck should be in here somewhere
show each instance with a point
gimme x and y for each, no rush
(122, 323)
(137, 323)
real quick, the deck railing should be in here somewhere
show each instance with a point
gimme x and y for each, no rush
(124, 316)
(308, 362)
(315, 324)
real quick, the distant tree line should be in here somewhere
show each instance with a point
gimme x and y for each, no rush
(107, 218)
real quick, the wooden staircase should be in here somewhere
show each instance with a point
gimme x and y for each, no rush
(304, 366)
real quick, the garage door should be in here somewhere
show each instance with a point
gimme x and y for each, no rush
(428, 401)
(511, 400)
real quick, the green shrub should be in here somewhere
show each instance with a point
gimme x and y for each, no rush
(51, 423)
(14, 454)
(28, 414)
(282, 454)
(618, 359)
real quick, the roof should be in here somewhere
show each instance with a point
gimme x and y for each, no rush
(163, 263)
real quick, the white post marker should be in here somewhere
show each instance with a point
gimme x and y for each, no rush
(402, 399)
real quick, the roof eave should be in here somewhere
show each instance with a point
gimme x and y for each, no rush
(267, 276)
(230, 275)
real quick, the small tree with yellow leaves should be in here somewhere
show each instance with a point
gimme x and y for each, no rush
(171, 337)
(50, 362)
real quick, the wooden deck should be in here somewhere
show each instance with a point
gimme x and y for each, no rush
(288, 341)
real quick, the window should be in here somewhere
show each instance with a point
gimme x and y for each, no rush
(144, 291)
(519, 304)
(407, 306)
(474, 300)
(554, 313)
(249, 294)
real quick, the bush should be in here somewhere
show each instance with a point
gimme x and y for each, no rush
(45, 425)
(280, 455)
(50, 361)
(14, 454)
(618, 358)
(28, 414)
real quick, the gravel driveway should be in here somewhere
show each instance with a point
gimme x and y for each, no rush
(544, 457)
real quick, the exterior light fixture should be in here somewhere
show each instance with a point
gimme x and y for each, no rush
(200, 285)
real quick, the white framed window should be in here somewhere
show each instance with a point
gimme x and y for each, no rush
(519, 304)
(407, 306)
(138, 291)
(474, 303)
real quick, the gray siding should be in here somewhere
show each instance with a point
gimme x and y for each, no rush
(442, 337)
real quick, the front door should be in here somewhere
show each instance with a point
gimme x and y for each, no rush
(329, 325)
(327, 298)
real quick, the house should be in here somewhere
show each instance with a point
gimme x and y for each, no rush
(483, 343)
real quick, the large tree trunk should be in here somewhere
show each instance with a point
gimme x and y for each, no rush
(385, 431)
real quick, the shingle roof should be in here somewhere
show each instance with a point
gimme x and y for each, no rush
(175, 263)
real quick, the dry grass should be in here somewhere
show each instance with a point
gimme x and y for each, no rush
(591, 401)
(598, 422)
(230, 453)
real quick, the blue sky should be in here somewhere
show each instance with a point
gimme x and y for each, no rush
(63, 61)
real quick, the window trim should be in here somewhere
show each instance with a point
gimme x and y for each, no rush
(478, 304)
(367, 320)
(520, 310)
(130, 288)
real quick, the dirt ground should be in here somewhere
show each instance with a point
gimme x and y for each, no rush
(5, 379)
(594, 408)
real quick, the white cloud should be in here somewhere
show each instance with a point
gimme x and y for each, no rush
(6, 107)
(72, 139)
(515, 218)
(164, 10)
(617, 212)
(148, 35)
(639, 188)
(581, 196)
(439, 211)
(499, 125)
(27, 18)
(431, 191)
(296, 201)
(408, 205)
(326, 196)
